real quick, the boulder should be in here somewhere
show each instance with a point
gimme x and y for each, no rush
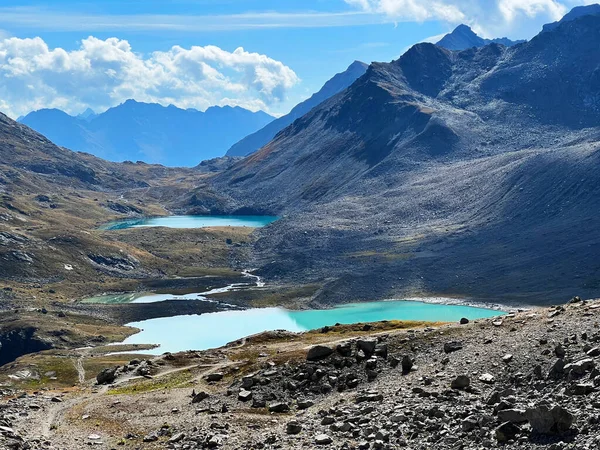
(546, 420)
(460, 382)
(367, 346)
(470, 423)
(107, 376)
(293, 427)
(319, 352)
(305, 404)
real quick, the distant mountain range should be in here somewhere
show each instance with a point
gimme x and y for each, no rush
(463, 37)
(338, 83)
(148, 132)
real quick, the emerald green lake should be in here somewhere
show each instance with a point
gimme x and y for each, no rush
(192, 222)
(200, 332)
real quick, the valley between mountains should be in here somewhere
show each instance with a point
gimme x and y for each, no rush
(464, 171)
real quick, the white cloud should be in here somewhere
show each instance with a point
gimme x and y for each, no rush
(510, 9)
(486, 16)
(102, 73)
(412, 10)
(57, 19)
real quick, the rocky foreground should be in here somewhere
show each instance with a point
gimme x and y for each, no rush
(526, 380)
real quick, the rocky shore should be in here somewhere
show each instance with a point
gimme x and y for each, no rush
(526, 380)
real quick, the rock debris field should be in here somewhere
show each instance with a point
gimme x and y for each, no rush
(526, 380)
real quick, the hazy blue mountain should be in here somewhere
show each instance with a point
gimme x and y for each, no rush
(335, 85)
(463, 37)
(88, 114)
(149, 132)
(575, 13)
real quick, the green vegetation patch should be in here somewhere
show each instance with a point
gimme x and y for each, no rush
(170, 381)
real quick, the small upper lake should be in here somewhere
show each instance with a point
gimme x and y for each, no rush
(192, 222)
(201, 332)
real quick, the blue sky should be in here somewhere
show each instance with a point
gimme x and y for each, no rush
(74, 54)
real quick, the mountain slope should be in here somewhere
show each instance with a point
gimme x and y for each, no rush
(442, 173)
(262, 137)
(462, 38)
(149, 132)
(575, 13)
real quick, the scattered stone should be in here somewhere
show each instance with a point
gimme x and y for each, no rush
(407, 364)
(293, 427)
(245, 395)
(323, 439)
(452, 346)
(279, 407)
(464, 321)
(487, 378)
(200, 396)
(460, 382)
(212, 377)
(305, 404)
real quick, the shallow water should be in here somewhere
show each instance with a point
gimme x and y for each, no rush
(192, 222)
(201, 332)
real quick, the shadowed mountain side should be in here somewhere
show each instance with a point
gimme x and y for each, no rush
(338, 83)
(517, 227)
(442, 173)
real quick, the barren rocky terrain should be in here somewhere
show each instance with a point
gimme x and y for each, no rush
(527, 379)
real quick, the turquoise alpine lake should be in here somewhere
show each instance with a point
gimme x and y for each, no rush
(192, 222)
(212, 330)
